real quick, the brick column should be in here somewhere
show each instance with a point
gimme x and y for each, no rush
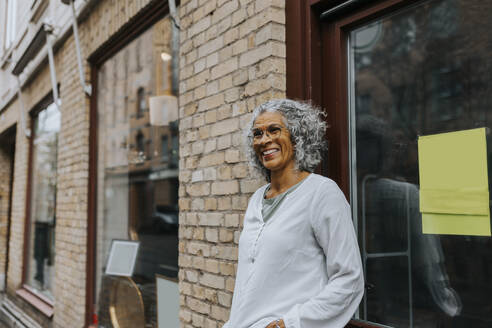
(232, 58)
(6, 156)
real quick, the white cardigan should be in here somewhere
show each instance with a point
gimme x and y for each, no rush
(303, 265)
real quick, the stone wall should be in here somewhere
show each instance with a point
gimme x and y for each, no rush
(232, 58)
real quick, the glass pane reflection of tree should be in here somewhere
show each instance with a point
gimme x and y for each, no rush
(420, 71)
(137, 175)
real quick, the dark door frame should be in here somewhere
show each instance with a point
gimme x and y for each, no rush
(148, 16)
(316, 68)
(317, 71)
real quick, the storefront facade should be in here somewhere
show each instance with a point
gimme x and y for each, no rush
(94, 168)
(387, 73)
(90, 168)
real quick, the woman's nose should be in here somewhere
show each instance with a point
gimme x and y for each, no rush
(265, 138)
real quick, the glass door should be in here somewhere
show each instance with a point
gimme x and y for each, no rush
(417, 70)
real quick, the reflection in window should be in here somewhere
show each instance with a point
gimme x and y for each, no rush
(429, 72)
(164, 148)
(137, 191)
(174, 145)
(141, 102)
(42, 221)
(140, 142)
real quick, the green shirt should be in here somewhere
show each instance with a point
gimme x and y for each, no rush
(270, 205)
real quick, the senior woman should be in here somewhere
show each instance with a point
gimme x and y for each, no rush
(299, 263)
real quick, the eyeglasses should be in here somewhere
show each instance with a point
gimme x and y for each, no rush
(272, 131)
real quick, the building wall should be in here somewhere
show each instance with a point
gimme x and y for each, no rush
(6, 157)
(105, 19)
(232, 58)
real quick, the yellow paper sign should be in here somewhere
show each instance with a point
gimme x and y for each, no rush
(454, 192)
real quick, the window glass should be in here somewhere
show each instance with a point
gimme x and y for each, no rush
(41, 252)
(137, 179)
(422, 70)
(165, 148)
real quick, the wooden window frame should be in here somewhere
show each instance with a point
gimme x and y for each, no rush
(316, 54)
(27, 293)
(137, 25)
(316, 68)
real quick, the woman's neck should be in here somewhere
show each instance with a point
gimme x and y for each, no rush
(282, 180)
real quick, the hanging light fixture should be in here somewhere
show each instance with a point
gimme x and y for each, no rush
(163, 110)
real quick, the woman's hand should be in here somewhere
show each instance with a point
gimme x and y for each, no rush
(276, 324)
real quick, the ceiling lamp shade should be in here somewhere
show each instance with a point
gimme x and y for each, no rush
(163, 109)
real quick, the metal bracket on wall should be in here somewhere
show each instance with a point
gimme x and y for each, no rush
(86, 86)
(173, 13)
(51, 59)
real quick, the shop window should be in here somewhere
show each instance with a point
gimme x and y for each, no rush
(41, 223)
(137, 203)
(430, 66)
(388, 72)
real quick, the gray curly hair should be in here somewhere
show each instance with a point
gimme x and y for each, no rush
(307, 132)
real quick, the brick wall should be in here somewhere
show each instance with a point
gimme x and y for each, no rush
(106, 18)
(32, 94)
(232, 58)
(6, 156)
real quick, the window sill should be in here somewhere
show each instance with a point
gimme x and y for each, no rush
(41, 303)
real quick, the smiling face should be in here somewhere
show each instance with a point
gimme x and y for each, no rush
(274, 152)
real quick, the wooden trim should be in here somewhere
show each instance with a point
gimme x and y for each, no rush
(43, 103)
(339, 124)
(295, 54)
(36, 301)
(370, 12)
(144, 20)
